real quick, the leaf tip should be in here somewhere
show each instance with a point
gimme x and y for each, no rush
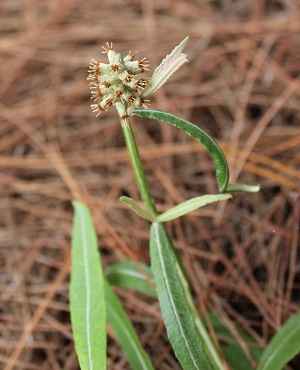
(243, 188)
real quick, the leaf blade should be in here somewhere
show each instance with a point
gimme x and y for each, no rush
(125, 332)
(177, 316)
(191, 205)
(236, 357)
(284, 345)
(143, 213)
(222, 172)
(125, 274)
(243, 187)
(87, 302)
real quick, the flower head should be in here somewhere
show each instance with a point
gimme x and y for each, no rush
(116, 83)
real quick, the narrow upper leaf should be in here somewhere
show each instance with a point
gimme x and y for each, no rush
(137, 208)
(167, 67)
(284, 345)
(179, 321)
(191, 205)
(125, 274)
(87, 301)
(243, 187)
(194, 131)
(125, 332)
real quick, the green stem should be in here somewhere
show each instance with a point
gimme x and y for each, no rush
(137, 167)
(148, 200)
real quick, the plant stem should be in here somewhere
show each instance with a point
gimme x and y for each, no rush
(137, 167)
(148, 200)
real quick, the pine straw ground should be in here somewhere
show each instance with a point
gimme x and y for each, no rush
(241, 85)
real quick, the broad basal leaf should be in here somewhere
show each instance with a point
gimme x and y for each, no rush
(125, 333)
(233, 352)
(87, 301)
(236, 357)
(178, 319)
(125, 274)
(283, 347)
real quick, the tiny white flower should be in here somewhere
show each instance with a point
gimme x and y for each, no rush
(116, 83)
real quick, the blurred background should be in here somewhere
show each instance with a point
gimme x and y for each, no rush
(241, 86)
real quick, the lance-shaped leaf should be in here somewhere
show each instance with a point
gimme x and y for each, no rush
(87, 300)
(191, 205)
(283, 346)
(167, 67)
(126, 274)
(125, 332)
(179, 321)
(222, 172)
(233, 352)
(236, 357)
(137, 208)
(243, 187)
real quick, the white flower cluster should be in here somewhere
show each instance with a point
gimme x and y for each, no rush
(116, 83)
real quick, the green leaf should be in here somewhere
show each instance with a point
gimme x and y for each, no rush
(236, 357)
(87, 301)
(124, 331)
(222, 173)
(284, 345)
(223, 331)
(233, 352)
(243, 187)
(191, 205)
(178, 319)
(125, 274)
(137, 208)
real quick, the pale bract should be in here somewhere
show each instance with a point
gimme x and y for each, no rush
(116, 83)
(167, 67)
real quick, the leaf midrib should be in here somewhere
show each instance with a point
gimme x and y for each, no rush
(87, 286)
(274, 353)
(171, 298)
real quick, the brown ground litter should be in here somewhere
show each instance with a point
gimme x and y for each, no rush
(241, 85)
